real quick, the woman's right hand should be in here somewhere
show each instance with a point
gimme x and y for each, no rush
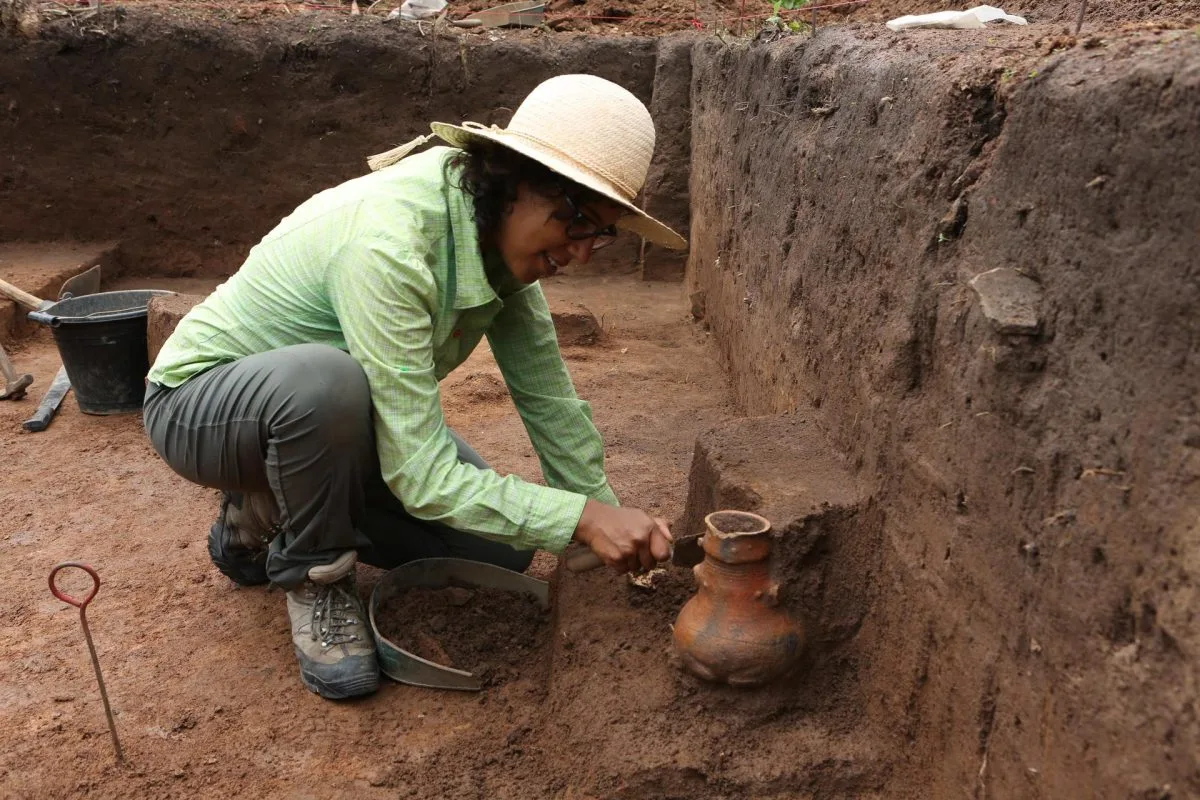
(626, 539)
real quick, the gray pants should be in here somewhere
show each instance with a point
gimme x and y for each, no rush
(296, 422)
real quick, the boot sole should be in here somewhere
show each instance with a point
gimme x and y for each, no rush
(343, 689)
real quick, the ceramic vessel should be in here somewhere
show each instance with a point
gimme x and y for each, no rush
(732, 630)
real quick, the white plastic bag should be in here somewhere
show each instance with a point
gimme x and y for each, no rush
(421, 9)
(971, 18)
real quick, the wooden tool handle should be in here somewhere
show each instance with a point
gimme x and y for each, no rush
(583, 560)
(20, 295)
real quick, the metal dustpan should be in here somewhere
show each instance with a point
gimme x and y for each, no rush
(435, 573)
(524, 14)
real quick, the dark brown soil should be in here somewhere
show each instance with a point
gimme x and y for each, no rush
(490, 633)
(1029, 576)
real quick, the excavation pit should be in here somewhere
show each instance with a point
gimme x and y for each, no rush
(986, 531)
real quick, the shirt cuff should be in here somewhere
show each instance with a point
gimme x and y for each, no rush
(606, 495)
(560, 526)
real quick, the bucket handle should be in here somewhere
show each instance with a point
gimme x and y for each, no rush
(44, 318)
(54, 321)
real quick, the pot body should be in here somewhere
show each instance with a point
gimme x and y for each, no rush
(732, 630)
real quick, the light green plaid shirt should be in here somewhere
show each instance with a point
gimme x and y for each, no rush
(388, 268)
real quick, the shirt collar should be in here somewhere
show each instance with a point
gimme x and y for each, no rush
(472, 287)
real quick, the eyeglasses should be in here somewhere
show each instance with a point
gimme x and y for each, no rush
(580, 227)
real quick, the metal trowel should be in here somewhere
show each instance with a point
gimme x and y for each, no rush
(524, 14)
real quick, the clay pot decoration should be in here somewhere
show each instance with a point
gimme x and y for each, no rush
(732, 630)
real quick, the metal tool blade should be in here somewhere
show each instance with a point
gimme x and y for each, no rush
(86, 282)
(405, 667)
(688, 551)
(50, 403)
(526, 14)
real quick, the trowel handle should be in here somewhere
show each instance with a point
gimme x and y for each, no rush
(583, 560)
(20, 295)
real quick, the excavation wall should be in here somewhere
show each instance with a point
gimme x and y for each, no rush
(1031, 438)
(185, 140)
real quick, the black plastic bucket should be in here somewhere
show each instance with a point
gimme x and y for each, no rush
(102, 341)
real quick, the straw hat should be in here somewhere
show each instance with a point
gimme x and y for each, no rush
(584, 128)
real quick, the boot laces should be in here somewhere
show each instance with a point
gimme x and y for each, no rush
(335, 610)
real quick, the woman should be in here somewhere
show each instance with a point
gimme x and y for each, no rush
(306, 387)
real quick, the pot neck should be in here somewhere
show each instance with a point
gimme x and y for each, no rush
(738, 549)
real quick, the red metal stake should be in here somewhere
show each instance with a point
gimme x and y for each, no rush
(87, 634)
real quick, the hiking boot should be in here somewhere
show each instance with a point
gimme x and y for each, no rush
(329, 632)
(238, 540)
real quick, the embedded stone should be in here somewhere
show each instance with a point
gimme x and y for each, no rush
(1011, 301)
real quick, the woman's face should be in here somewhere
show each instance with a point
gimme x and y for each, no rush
(532, 238)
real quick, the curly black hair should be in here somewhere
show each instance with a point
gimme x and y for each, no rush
(491, 174)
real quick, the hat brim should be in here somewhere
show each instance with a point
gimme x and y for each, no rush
(637, 221)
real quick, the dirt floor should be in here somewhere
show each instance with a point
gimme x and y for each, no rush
(201, 674)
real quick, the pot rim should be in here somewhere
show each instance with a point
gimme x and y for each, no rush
(745, 518)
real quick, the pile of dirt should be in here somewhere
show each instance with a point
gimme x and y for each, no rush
(656, 17)
(483, 387)
(602, 17)
(491, 633)
(1099, 15)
